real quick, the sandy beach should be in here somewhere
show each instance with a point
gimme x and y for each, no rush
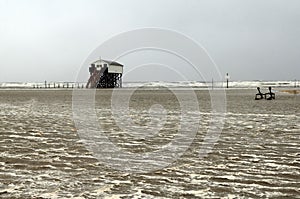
(42, 156)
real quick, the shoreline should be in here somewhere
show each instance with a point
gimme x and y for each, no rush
(283, 88)
(197, 85)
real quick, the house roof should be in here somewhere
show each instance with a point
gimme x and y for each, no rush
(109, 62)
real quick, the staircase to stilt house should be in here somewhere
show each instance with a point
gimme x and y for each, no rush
(95, 77)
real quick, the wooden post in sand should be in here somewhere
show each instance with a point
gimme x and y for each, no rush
(227, 80)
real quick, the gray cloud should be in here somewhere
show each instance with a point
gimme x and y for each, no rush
(48, 40)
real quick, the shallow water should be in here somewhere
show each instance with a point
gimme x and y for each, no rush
(42, 156)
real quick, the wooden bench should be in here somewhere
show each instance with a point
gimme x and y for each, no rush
(259, 95)
(270, 95)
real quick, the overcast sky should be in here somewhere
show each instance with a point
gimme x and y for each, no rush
(50, 39)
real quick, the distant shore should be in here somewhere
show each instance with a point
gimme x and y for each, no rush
(156, 84)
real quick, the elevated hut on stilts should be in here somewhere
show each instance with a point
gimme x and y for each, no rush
(105, 74)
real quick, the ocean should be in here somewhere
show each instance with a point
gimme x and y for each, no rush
(256, 155)
(155, 84)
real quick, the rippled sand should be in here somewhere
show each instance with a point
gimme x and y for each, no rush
(41, 155)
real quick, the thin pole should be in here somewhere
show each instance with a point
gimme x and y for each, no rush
(227, 80)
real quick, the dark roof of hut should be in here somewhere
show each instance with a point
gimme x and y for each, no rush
(113, 63)
(109, 62)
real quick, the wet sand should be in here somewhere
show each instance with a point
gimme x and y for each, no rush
(41, 155)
